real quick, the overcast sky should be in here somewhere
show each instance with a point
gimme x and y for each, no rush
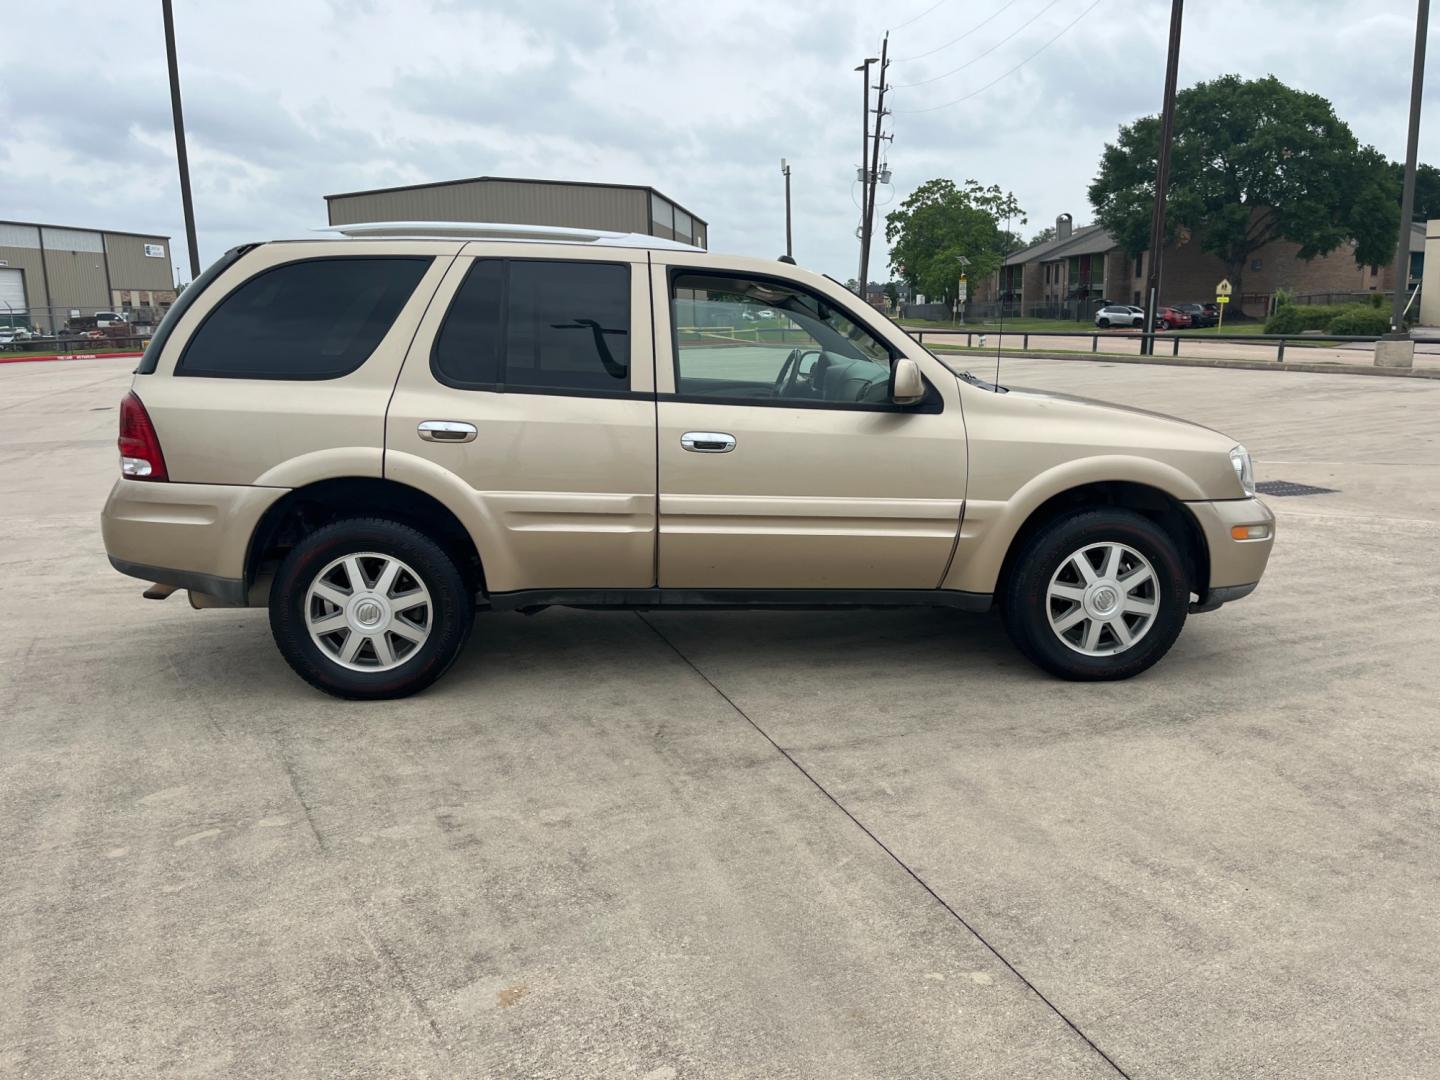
(289, 100)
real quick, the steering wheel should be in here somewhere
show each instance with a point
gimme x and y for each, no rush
(790, 370)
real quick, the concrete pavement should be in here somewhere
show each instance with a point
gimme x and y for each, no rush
(736, 844)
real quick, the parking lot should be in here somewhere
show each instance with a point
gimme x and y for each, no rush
(679, 845)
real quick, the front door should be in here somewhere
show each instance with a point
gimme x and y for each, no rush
(526, 405)
(782, 462)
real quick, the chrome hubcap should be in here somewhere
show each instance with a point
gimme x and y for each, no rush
(368, 612)
(1103, 599)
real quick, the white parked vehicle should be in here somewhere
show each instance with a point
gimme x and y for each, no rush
(1119, 315)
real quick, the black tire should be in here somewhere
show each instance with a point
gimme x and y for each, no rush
(1164, 324)
(450, 614)
(1026, 607)
(1104, 324)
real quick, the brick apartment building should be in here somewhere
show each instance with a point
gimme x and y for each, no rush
(1071, 274)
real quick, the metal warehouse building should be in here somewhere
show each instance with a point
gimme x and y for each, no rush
(511, 201)
(49, 273)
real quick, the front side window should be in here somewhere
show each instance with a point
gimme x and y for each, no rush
(538, 326)
(317, 319)
(756, 339)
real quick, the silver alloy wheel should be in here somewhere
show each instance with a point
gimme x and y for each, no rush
(1103, 599)
(368, 612)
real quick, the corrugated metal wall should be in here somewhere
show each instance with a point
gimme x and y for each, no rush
(75, 267)
(502, 201)
(27, 259)
(84, 268)
(131, 268)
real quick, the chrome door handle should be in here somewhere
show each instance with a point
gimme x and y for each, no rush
(447, 431)
(708, 442)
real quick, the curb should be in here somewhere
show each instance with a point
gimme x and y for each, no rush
(1201, 362)
(66, 356)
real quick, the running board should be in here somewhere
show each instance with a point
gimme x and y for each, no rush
(781, 599)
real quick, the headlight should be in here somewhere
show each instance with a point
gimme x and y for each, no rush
(1244, 470)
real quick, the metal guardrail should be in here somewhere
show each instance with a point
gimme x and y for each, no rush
(1095, 336)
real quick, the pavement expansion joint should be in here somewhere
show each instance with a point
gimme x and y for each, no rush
(883, 847)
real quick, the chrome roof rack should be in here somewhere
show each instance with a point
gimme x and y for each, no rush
(476, 230)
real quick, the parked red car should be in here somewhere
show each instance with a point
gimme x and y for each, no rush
(1169, 318)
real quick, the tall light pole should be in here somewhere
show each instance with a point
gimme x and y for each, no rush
(864, 70)
(789, 244)
(180, 140)
(1407, 196)
(1162, 180)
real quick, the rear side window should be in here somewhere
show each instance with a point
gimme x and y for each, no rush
(192, 292)
(317, 319)
(538, 326)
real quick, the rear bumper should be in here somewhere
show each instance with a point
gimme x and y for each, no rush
(194, 536)
(1236, 566)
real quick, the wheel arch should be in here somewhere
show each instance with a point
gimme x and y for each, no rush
(1161, 507)
(994, 530)
(305, 509)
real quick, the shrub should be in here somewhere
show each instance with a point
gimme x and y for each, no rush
(1377, 301)
(1360, 322)
(1297, 318)
(1283, 297)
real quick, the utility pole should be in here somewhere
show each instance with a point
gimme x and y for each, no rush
(864, 70)
(872, 177)
(1162, 180)
(1407, 197)
(789, 244)
(180, 140)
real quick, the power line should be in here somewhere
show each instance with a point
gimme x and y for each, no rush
(917, 18)
(962, 37)
(1064, 30)
(971, 63)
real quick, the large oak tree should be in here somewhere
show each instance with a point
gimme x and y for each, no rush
(942, 221)
(1253, 161)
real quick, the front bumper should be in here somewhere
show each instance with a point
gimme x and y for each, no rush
(194, 536)
(1235, 565)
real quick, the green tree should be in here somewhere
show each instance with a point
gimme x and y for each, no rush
(1427, 189)
(1043, 236)
(940, 223)
(892, 294)
(1252, 162)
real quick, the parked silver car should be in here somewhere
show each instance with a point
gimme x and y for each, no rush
(1119, 315)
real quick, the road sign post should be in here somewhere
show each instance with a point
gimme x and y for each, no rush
(1222, 297)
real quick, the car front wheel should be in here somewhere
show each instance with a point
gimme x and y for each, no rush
(368, 608)
(1097, 595)
(1104, 324)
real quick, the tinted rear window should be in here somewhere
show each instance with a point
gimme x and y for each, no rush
(182, 303)
(538, 325)
(317, 319)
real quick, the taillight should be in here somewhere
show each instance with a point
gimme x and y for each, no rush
(140, 456)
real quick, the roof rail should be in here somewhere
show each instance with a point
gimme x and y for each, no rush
(478, 230)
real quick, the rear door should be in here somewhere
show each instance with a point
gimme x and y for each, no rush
(527, 405)
(783, 464)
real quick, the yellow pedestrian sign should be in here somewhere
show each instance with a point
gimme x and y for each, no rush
(1222, 297)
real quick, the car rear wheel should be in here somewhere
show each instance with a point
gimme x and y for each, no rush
(1104, 324)
(1097, 595)
(1164, 324)
(367, 608)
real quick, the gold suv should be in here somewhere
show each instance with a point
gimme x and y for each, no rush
(378, 433)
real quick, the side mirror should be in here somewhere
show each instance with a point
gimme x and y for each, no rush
(906, 385)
